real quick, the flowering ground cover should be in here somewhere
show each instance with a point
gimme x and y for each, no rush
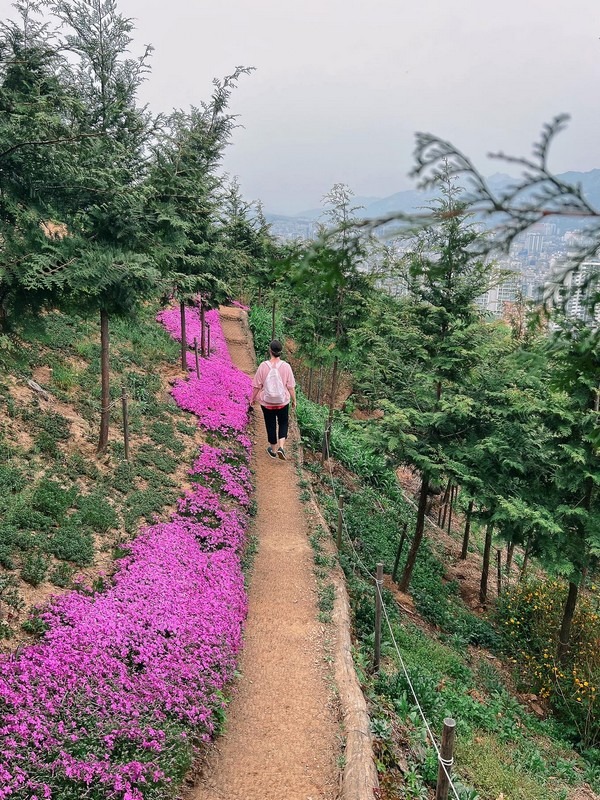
(127, 679)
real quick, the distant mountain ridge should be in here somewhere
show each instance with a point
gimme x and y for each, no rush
(412, 200)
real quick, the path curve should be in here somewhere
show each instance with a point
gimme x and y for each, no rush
(281, 739)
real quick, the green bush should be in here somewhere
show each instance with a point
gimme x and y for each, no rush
(72, 543)
(144, 504)
(96, 512)
(55, 425)
(123, 479)
(23, 516)
(163, 433)
(35, 567)
(51, 499)
(46, 444)
(6, 560)
(62, 575)
(261, 325)
(11, 479)
(150, 456)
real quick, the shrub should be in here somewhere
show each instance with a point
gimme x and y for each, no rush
(96, 512)
(35, 566)
(23, 516)
(145, 503)
(46, 444)
(62, 575)
(51, 499)
(147, 455)
(6, 557)
(123, 479)
(529, 617)
(55, 425)
(71, 543)
(11, 479)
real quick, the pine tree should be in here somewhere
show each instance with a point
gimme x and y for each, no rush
(429, 416)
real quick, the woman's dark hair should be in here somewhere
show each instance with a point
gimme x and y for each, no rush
(275, 347)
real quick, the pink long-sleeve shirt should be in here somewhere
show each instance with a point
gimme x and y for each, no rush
(285, 373)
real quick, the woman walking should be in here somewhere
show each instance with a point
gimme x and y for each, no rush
(274, 386)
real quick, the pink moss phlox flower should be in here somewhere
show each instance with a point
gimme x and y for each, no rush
(125, 678)
(220, 397)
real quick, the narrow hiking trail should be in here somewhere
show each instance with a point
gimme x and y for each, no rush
(281, 738)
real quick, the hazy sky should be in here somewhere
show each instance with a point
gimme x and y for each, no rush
(341, 85)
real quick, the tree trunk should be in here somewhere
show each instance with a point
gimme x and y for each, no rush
(105, 377)
(453, 494)
(509, 557)
(564, 638)
(467, 533)
(183, 338)
(442, 512)
(309, 386)
(485, 569)
(416, 542)
(273, 321)
(334, 381)
(523, 572)
(320, 384)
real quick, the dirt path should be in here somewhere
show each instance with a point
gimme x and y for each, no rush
(282, 739)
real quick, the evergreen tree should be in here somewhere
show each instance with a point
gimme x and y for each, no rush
(108, 268)
(431, 413)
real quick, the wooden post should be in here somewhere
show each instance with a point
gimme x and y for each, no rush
(208, 339)
(196, 354)
(202, 329)
(326, 446)
(125, 422)
(499, 570)
(183, 338)
(446, 759)
(378, 589)
(340, 522)
(399, 551)
(105, 376)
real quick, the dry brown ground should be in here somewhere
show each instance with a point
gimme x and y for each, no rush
(281, 739)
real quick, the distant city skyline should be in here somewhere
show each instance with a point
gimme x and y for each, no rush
(340, 88)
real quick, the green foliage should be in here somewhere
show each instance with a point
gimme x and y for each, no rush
(261, 325)
(34, 624)
(144, 504)
(123, 479)
(11, 479)
(149, 456)
(35, 567)
(62, 575)
(52, 499)
(529, 617)
(163, 433)
(11, 604)
(72, 543)
(95, 512)
(22, 515)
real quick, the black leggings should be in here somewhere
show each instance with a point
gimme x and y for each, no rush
(274, 417)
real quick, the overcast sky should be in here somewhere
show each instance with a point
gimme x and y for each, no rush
(341, 86)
